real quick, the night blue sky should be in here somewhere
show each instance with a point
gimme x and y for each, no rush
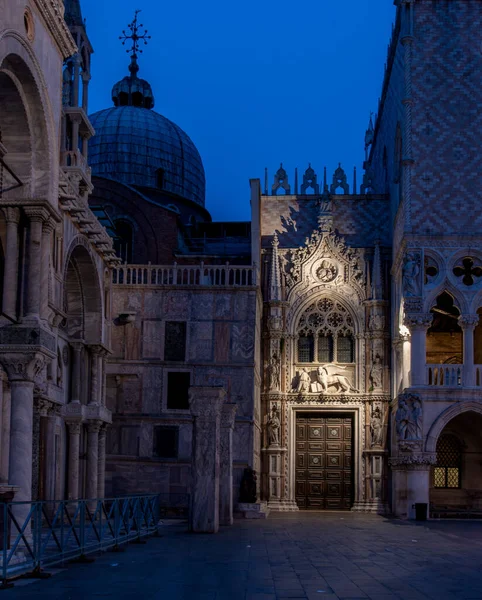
(253, 83)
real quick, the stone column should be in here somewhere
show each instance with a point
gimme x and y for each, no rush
(226, 465)
(9, 301)
(206, 405)
(95, 375)
(101, 463)
(74, 451)
(93, 429)
(468, 323)
(47, 229)
(405, 360)
(34, 261)
(76, 372)
(48, 419)
(418, 323)
(5, 448)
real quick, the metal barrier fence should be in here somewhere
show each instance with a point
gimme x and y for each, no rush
(35, 535)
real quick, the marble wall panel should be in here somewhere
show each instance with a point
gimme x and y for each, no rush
(242, 442)
(201, 341)
(153, 304)
(145, 439)
(223, 306)
(202, 306)
(177, 305)
(152, 390)
(221, 342)
(129, 440)
(130, 393)
(132, 340)
(242, 346)
(152, 339)
(117, 342)
(185, 442)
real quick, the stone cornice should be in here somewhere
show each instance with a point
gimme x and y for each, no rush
(31, 205)
(52, 12)
(329, 399)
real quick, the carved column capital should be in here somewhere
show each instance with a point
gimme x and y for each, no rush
(74, 426)
(23, 367)
(12, 214)
(418, 320)
(94, 426)
(468, 322)
(206, 402)
(37, 213)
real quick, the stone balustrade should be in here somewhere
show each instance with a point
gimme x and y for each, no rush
(185, 275)
(445, 375)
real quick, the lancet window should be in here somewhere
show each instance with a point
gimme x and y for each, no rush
(326, 334)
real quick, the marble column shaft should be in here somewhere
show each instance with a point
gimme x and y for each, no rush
(92, 460)
(20, 467)
(12, 217)
(94, 376)
(206, 405)
(48, 430)
(74, 451)
(76, 372)
(226, 464)
(101, 464)
(5, 447)
(34, 266)
(47, 230)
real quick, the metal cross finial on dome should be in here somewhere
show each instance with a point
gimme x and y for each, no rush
(135, 35)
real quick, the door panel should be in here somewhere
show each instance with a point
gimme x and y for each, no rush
(324, 474)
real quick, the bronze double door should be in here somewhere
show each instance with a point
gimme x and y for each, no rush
(324, 461)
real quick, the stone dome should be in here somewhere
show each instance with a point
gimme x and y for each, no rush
(140, 147)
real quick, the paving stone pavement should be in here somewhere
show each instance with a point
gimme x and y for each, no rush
(319, 556)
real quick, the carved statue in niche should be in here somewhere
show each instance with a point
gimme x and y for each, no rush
(376, 373)
(274, 372)
(376, 426)
(329, 376)
(304, 381)
(408, 418)
(411, 274)
(274, 425)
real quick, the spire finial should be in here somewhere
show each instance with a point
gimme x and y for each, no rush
(135, 35)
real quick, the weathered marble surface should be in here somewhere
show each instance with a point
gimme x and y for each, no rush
(226, 465)
(206, 406)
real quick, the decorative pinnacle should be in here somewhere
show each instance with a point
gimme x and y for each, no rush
(135, 35)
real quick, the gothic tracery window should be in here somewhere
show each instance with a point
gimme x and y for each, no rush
(326, 333)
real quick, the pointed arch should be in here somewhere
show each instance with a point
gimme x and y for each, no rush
(446, 286)
(445, 417)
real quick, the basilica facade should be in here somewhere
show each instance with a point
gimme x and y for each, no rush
(340, 326)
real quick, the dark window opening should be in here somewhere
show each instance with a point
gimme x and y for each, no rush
(178, 390)
(175, 341)
(165, 442)
(123, 240)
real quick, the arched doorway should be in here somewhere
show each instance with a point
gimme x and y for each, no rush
(456, 477)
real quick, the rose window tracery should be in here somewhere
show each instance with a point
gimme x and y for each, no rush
(326, 333)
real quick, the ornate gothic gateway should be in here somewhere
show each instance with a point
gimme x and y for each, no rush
(325, 391)
(324, 461)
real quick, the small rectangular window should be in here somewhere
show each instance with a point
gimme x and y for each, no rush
(306, 349)
(178, 390)
(175, 341)
(325, 349)
(346, 349)
(165, 442)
